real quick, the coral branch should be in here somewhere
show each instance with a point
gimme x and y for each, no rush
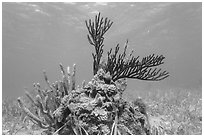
(120, 66)
(46, 80)
(65, 80)
(31, 115)
(43, 110)
(30, 97)
(73, 77)
(96, 30)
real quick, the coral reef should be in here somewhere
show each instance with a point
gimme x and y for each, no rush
(96, 108)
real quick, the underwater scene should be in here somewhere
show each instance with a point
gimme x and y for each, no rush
(101, 68)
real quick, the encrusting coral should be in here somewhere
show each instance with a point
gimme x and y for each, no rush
(98, 107)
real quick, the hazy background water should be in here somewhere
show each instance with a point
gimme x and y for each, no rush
(38, 36)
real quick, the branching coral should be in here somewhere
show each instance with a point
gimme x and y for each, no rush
(96, 31)
(48, 101)
(119, 64)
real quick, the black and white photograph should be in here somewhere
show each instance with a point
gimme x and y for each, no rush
(101, 68)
